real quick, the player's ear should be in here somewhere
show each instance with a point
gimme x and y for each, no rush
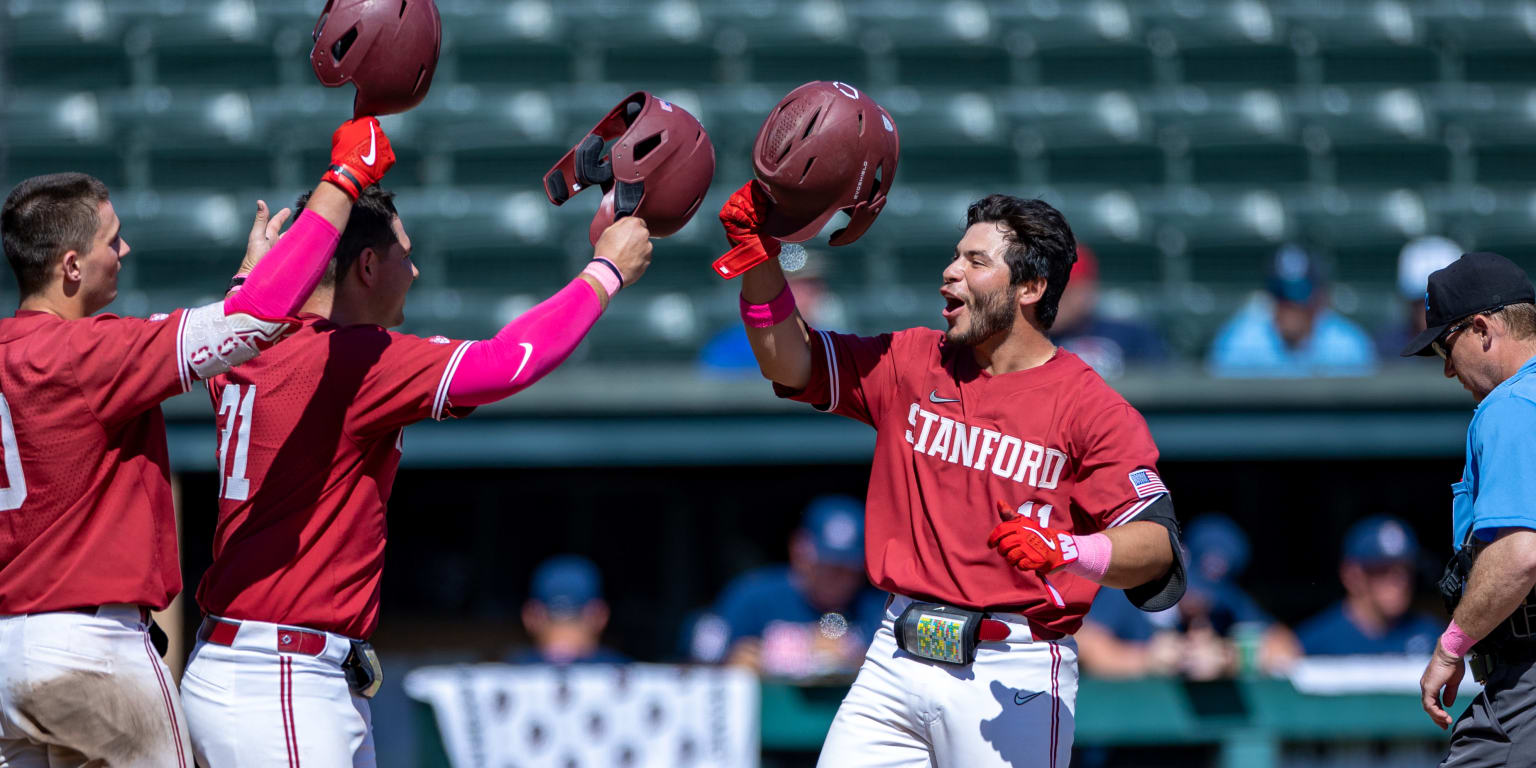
(1029, 291)
(368, 266)
(69, 266)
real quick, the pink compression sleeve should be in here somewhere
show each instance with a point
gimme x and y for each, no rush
(285, 277)
(527, 349)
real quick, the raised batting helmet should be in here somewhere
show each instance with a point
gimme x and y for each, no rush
(827, 147)
(387, 48)
(659, 166)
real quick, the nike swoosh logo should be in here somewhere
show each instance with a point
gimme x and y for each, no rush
(933, 397)
(373, 147)
(1020, 699)
(527, 355)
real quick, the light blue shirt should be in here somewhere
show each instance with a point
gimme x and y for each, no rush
(1498, 486)
(1249, 346)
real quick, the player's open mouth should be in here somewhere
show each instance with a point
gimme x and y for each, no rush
(952, 307)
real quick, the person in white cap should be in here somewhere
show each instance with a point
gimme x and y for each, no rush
(1419, 257)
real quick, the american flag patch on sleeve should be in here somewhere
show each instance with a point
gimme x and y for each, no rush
(1146, 483)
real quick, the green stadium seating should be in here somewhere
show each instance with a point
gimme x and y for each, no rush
(1077, 44)
(1364, 228)
(221, 44)
(786, 45)
(1388, 136)
(35, 32)
(522, 43)
(963, 47)
(1495, 124)
(952, 136)
(1226, 42)
(1234, 136)
(1087, 136)
(54, 131)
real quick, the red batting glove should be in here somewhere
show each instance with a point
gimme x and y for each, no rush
(1029, 547)
(742, 216)
(360, 156)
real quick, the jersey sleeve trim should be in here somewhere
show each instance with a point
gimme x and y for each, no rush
(183, 367)
(440, 401)
(833, 375)
(1132, 511)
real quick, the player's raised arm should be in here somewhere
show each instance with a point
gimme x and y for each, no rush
(539, 340)
(779, 337)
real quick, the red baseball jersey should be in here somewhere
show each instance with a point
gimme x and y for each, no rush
(1054, 442)
(309, 441)
(85, 490)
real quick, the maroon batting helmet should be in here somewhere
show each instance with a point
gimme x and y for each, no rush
(658, 167)
(387, 48)
(827, 147)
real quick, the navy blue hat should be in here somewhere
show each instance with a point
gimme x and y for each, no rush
(1294, 274)
(566, 583)
(1218, 548)
(836, 527)
(1380, 539)
(1473, 284)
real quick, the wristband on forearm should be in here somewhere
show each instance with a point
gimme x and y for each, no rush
(606, 274)
(1455, 641)
(768, 315)
(1093, 553)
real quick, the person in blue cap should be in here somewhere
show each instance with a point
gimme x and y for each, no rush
(1378, 568)
(565, 615)
(1295, 333)
(1196, 638)
(811, 618)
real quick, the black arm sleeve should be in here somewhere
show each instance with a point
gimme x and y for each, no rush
(1162, 592)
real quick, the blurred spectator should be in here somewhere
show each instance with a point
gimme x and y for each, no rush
(728, 353)
(1293, 333)
(565, 615)
(811, 619)
(1380, 554)
(1106, 344)
(1216, 631)
(1419, 257)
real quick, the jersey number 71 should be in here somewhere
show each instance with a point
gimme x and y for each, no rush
(235, 414)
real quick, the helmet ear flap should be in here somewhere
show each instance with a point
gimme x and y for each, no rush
(590, 166)
(860, 217)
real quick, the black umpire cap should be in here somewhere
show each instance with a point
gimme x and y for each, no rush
(1473, 284)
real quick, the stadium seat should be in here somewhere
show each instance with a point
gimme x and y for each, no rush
(1120, 224)
(200, 139)
(1364, 227)
(34, 32)
(957, 43)
(1494, 124)
(520, 43)
(1492, 38)
(54, 131)
(1384, 136)
(1233, 41)
(952, 136)
(649, 45)
(1380, 42)
(1234, 135)
(794, 43)
(223, 43)
(184, 243)
(1501, 219)
(1227, 233)
(1076, 44)
(1086, 136)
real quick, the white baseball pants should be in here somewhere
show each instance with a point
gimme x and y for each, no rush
(81, 689)
(1013, 707)
(252, 706)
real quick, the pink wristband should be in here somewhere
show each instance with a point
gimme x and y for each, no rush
(770, 314)
(1092, 556)
(606, 275)
(1455, 641)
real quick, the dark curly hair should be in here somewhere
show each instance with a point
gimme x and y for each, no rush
(1040, 244)
(370, 226)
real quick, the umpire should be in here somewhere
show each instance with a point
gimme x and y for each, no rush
(1482, 322)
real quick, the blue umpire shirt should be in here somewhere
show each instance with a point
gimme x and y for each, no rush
(1499, 482)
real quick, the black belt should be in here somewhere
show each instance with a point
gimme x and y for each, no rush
(1485, 664)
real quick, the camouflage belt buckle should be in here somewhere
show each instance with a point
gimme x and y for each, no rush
(939, 632)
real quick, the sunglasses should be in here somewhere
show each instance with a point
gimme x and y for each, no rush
(1442, 344)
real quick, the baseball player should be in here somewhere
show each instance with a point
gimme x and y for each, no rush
(974, 664)
(309, 440)
(87, 534)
